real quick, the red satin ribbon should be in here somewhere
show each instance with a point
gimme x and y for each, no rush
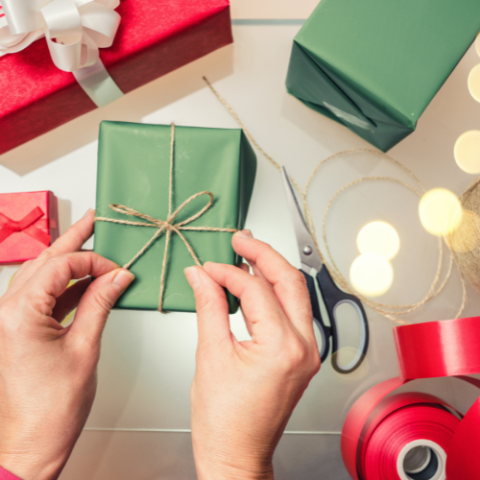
(26, 225)
(372, 437)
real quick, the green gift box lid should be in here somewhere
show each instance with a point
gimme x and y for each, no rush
(375, 65)
(134, 171)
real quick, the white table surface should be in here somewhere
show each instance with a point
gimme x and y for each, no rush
(139, 425)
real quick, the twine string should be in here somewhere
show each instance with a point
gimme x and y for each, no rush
(388, 311)
(166, 226)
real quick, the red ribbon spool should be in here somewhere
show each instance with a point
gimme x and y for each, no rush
(381, 431)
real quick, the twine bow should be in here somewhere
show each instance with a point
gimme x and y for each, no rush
(74, 29)
(26, 225)
(167, 225)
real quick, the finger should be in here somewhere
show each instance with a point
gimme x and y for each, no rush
(212, 309)
(71, 241)
(259, 302)
(52, 279)
(96, 304)
(70, 298)
(288, 282)
(245, 267)
(256, 270)
(23, 274)
(74, 238)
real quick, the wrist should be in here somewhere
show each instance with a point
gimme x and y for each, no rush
(26, 467)
(214, 471)
(224, 458)
(42, 461)
(212, 465)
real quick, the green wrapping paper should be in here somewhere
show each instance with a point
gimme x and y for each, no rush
(375, 65)
(134, 171)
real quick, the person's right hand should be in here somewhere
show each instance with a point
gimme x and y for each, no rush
(243, 393)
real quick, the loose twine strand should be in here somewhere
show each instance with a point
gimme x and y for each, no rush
(389, 311)
(166, 225)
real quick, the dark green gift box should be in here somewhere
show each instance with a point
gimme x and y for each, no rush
(375, 65)
(134, 171)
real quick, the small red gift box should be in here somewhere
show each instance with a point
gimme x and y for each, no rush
(28, 225)
(155, 37)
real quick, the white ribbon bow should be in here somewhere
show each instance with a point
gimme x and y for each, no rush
(74, 29)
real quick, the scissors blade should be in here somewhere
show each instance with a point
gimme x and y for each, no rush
(306, 246)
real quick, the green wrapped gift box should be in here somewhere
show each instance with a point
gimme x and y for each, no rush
(134, 166)
(375, 65)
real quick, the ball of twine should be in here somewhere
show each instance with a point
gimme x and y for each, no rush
(464, 241)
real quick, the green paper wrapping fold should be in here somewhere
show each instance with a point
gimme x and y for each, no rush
(133, 170)
(375, 65)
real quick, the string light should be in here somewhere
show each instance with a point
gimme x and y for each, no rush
(467, 151)
(474, 83)
(440, 212)
(467, 147)
(371, 274)
(379, 237)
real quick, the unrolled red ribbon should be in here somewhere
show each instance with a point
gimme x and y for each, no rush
(378, 425)
(26, 225)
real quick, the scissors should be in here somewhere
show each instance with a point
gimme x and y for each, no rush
(332, 296)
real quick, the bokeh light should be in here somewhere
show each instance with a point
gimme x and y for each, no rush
(371, 274)
(379, 237)
(474, 83)
(467, 151)
(440, 212)
(467, 235)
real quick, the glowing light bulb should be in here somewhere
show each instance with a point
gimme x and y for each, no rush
(379, 237)
(467, 235)
(371, 274)
(467, 151)
(440, 212)
(474, 83)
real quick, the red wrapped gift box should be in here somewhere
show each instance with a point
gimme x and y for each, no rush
(154, 38)
(28, 225)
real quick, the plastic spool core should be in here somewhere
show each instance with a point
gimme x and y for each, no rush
(417, 460)
(422, 460)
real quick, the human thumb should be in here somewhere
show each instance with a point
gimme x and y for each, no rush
(96, 303)
(211, 305)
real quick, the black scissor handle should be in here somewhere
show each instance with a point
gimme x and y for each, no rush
(317, 317)
(333, 297)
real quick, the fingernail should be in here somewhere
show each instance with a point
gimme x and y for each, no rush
(192, 276)
(88, 212)
(244, 234)
(123, 279)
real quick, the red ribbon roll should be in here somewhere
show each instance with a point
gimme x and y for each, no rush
(26, 225)
(380, 428)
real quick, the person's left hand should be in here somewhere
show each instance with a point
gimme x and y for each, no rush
(48, 372)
